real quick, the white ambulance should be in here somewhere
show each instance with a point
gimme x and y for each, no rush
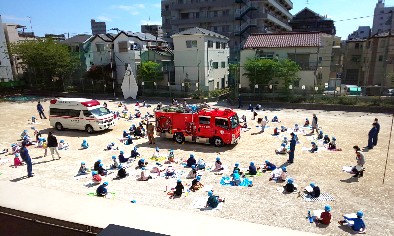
(79, 113)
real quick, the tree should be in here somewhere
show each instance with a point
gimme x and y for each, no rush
(287, 72)
(233, 69)
(150, 71)
(260, 71)
(48, 62)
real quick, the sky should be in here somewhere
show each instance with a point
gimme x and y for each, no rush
(73, 16)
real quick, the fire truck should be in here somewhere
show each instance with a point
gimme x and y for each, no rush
(209, 126)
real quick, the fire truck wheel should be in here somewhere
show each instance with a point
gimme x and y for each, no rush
(179, 138)
(218, 142)
(89, 129)
(59, 126)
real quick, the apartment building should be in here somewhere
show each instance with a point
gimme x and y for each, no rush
(316, 53)
(235, 19)
(309, 21)
(383, 20)
(5, 62)
(98, 27)
(155, 30)
(363, 32)
(353, 72)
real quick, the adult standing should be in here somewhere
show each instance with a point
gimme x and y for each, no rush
(40, 110)
(52, 145)
(150, 130)
(292, 148)
(377, 125)
(372, 135)
(26, 158)
(315, 126)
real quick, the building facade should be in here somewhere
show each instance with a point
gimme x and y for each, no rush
(383, 20)
(98, 27)
(309, 21)
(201, 60)
(5, 62)
(316, 53)
(363, 32)
(235, 19)
(353, 73)
(155, 30)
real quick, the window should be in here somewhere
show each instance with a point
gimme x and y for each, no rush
(356, 58)
(217, 45)
(123, 46)
(215, 65)
(74, 113)
(210, 44)
(204, 120)
(221, 122)
(357, 45)
(184, 15)
(87, 113)
(101, 111)
(266, 55)
(223, 64)
(223, 45)
(380, 58)
(191, 43)
(100, 47)
(234, 121)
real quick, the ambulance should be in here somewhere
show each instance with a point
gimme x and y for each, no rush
(79, 113)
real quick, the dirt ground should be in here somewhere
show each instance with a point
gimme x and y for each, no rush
(262, 203)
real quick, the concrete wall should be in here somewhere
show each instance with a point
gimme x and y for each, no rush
(5, 63)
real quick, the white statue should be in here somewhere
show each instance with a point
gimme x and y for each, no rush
(129, 85)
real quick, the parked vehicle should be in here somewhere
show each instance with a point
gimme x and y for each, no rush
(214, 126)
(388, 92)
(79, 113)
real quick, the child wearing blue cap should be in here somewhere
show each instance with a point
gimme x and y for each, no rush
(129, 140)
(282, 149)
(326, 139)
(356, 223)
(82, 169)
(275, 119)
(134, 153)
(96, 178)
(144, 176)
(63, 145)
(325, 217)
(85, 144)
(289, 187)
(192, 173)
(332, 145)
(101, 170)
(110, 146)
(115, 164)
(283, 129)
(196, 184)
(252, 169)
(191, 161)
(141, 163)
(213, 201)
(122, 172)
(218, 164)
(122, 158)
(17, 160)
(320, 135)
(314, 147)
(268, 166)
(102, 190)
(178, 190)
(170, 158)
(306, 124)
(276, 131)
(313, 191)
(279, 174)
(236, 168)
(236, 181)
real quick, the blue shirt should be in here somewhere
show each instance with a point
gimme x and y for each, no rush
(39, 107)
(101, 190)
(292, 144)
(358, 223)
(24, 153)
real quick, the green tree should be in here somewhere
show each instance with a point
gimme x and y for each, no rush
(150, 71)
(260, 71)
(46, 62)
(287, 72)
(233, 70)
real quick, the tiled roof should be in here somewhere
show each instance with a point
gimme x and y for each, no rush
(283, 40)
(80, 38)
(197, 30)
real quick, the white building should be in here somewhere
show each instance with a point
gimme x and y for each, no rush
(99, 50)
(200, 59)
(5, 63)
(363, 32)
(383, 19)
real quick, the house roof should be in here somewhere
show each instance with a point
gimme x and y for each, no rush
(284, 40)
(197, 30)
(141, 36)
(80, 38)
(308, 10)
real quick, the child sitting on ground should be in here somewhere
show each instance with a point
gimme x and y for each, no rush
(282, 149)
(82, 169)
(218, 165)
(236, 168)
(326, 139)
(115, 164)
(358, 224)
(129, 140)
(252, 169)
(177, 190)
(122, 172)
(279, 174)
(296, 128)
(97, 164)
(170, 172)
(332, 145)
(110, 147)
(320, 135)
(314, 147)
(96, 178)
(191, 161)
(101, 170)
(156, 155)
(62, 145)
(141, 163)
(313, 190)
(325, 217)
(144, 176)
(171, 158)
(213, 201)
(122, 158)
(102, 190)
(17, 161)
(196, 184)
(276, 131)
(289, 187)
(306, 124)
(275, 119)
(283, 129)
(268, 166)
(192, 173)
(84, 144)
(134, 153)
(201, 164)
(236, 181)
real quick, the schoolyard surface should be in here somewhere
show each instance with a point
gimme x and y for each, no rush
(262, 203)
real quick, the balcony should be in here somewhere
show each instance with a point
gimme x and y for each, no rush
(184, 21)
(280, 7)
(275, 20)
(288, 4)
(217, 3)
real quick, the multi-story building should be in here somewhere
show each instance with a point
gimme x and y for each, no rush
(235, 19)
(98, 27)
(5, 62)
(201, 60)
(363, 32)
(353, 72)
(316, 53)
(383, 20)
(155, 30)
(309, 21)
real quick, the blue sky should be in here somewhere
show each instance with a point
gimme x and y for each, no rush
(73, 16)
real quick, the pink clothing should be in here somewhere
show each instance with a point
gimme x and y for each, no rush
(17, 162)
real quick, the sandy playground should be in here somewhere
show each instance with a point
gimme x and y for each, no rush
(262, 203)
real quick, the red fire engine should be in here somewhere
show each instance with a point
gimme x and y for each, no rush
(212, 126)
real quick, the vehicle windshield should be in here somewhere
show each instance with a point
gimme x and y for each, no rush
(234, 121)
(100, 111)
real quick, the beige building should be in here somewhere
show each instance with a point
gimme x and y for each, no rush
(317, 54)
(201, 60)
(353, 73)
